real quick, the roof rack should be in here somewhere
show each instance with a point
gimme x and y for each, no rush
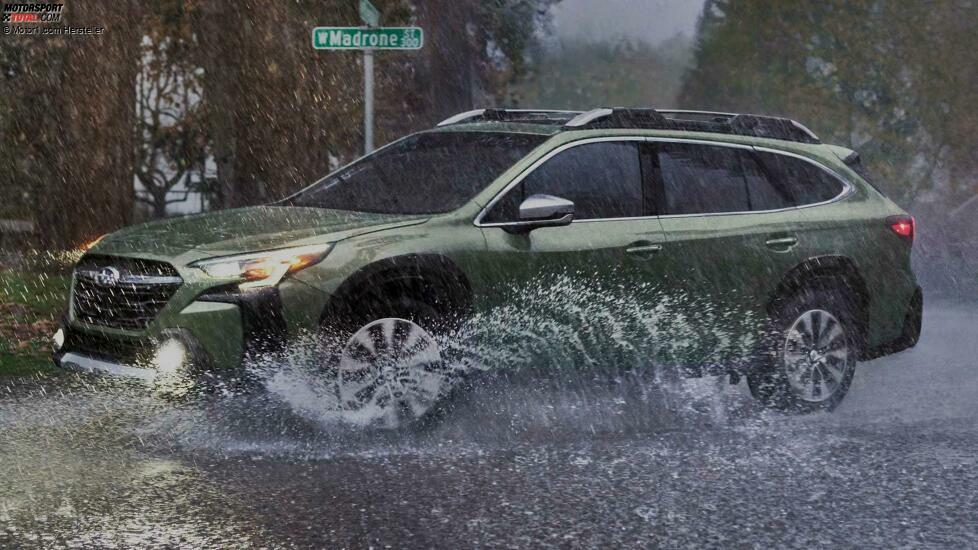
(539, 116)
(695, 121)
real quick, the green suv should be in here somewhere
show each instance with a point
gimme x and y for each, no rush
(747, 213)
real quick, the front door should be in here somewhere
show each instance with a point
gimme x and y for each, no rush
(585, 279)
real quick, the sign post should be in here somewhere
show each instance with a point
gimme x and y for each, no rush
(368, 101)
(370, 17)
(368, 39)
(369, 14)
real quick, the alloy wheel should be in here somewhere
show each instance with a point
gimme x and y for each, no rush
(390, 373)
(817, 355)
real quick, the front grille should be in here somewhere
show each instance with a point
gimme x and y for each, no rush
(122, 293)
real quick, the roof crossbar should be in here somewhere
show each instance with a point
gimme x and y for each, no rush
(510, 115)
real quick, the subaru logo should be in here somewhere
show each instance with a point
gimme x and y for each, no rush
(108, 276)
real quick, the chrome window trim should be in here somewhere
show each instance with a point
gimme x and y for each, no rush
(847, 187)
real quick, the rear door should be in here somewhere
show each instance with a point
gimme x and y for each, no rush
(612, 243)
(731, 234)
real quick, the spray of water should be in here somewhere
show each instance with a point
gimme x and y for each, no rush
(558, 357)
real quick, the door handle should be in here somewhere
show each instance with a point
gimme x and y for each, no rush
(643, 248)
(781, 242)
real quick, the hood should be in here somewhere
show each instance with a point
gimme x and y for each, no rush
(245, 230)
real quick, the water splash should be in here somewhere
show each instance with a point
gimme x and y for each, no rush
(558, 355)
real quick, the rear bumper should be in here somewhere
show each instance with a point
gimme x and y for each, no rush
(909, 335)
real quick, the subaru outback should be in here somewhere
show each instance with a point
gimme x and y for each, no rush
(749, 213)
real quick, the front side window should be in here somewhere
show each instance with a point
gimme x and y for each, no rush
(426, 173)
(603, 180)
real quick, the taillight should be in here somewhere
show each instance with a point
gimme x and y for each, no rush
(904, 226)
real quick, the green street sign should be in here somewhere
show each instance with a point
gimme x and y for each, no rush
(369, 14)
(358, 38)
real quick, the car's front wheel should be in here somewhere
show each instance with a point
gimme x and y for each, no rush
(810, 355)
(391, 374)
(387, 369)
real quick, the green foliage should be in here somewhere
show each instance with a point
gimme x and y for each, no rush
(891, 79)
(43, 293)
(30, 304)
(584, 75)
(509, 26)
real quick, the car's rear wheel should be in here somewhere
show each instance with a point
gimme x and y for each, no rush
(387, 369)
(810, 354)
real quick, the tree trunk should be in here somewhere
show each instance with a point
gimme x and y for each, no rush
(447, 79)
(88, 118)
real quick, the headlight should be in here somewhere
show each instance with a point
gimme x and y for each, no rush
(264, 269)
(91, 244)
(58, 340)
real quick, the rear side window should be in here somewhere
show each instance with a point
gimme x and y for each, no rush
(702, 179)
(762, 192)
(604, 180)
(804, 182)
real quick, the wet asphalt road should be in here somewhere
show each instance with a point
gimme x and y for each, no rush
(90, 464)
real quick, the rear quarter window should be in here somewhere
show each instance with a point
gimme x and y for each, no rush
(803, 182)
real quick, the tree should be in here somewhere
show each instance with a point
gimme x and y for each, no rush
(280, 113)
(276, 110)
(73, 123)
(584, 75)
(171, 144)
(891, 79)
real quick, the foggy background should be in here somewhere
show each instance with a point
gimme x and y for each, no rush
(182, 107)
(185, 106)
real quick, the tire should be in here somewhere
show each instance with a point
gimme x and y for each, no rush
(809, 355)
(385, 366)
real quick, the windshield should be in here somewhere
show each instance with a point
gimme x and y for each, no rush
(427, 173)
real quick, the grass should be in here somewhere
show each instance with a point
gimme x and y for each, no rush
(30, 305)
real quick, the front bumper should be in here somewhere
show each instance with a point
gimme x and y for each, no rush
(174, 353)
(77, 362)
(221, 328)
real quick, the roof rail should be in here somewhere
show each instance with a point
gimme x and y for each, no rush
(454, 119)
(510, 115)
(696, 121)
(584, 119)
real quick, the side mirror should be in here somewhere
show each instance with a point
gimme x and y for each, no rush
(543, 211)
